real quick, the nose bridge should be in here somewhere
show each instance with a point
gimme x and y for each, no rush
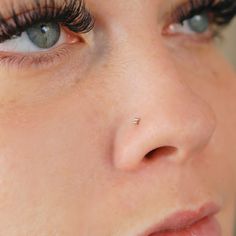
(171, 114)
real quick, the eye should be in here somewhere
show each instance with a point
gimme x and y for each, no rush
(200, 19)
(39, 37)
(198, 24)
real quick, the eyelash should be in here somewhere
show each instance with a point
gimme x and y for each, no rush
(220, 12)
(72, 14)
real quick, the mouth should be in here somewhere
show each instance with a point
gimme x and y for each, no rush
(188, 223)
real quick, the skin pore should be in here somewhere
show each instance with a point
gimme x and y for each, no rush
(71, 160)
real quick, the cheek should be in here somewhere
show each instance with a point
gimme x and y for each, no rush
(215, 82)
(53, 152)
(65, 128)
(210, 77)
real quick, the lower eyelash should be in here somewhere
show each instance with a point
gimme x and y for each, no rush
(43, 60)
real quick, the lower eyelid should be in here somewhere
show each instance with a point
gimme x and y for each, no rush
(54, 57)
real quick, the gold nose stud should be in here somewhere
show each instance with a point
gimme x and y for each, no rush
(136, 121)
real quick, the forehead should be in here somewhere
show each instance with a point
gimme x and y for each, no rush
(106, 6)
(128, 5)
(131, 10)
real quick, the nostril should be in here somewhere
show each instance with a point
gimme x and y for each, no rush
(160, 152)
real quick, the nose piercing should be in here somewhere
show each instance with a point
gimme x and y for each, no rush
(136, 121)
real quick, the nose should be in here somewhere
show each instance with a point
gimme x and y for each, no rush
(161, 118)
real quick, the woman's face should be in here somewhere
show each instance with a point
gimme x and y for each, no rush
(73, 160)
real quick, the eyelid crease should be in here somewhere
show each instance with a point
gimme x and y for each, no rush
(72, 14)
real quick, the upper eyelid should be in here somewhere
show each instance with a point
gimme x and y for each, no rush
(41, 5)
(23, 8)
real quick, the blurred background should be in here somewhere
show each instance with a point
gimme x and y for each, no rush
(228, 47)
(228, 44)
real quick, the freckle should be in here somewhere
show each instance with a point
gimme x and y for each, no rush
(105, 65)
(13, 101)
(214, 74)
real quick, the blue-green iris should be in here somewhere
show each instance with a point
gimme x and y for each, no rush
(44, 35)
(199, 23)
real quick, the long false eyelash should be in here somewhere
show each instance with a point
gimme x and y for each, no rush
(221, 12)
(225, 11)
(72, 14)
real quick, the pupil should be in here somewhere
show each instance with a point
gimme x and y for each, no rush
(44, 29)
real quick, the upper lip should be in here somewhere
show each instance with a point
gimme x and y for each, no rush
(182, 219)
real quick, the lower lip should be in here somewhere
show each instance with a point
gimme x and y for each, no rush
(208, 226)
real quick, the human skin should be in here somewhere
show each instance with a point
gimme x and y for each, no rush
(72, 162)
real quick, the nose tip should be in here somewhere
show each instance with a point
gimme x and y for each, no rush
(160, 135)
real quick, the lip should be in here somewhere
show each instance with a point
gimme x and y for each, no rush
(178, 222)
